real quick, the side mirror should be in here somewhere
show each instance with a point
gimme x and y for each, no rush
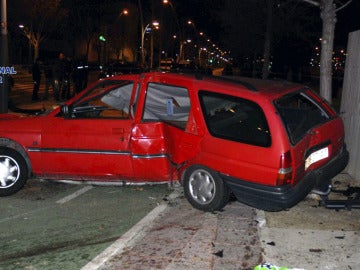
(65, 110)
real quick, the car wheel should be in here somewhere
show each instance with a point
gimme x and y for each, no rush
(205, 190)
(13, 171)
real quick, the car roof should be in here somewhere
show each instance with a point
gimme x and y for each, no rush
(270, 89)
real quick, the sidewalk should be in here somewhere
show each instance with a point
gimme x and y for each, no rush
(306, 237)
(183, 238)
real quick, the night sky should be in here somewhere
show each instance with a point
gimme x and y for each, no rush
(232, 23)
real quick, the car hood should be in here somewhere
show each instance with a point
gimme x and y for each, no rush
(10, 116)
(16, 122)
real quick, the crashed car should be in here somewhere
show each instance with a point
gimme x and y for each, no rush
(268, 143)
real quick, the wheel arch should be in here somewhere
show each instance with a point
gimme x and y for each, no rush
(8, 143)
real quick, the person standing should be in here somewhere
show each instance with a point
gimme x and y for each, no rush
(48, 79)
(36, 75)
(58, 75)
(65, 94)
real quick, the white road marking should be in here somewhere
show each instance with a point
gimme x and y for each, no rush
(74, 195)
(129, 238)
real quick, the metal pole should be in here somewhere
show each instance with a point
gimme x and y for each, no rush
(4, 86)
(142, 33)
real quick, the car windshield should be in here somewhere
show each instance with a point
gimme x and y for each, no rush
(300, 113)
(108, 99)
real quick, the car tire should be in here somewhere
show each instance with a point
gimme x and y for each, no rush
(204, 189)
(13, 172)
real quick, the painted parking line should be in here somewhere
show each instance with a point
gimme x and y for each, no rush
(130, 237)
(74, 195)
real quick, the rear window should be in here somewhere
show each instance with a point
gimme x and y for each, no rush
(235, 119)
(300, 113)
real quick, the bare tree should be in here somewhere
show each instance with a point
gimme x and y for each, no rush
(328, 10)
(40, 17)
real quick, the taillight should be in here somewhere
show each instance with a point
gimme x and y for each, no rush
(285, 170)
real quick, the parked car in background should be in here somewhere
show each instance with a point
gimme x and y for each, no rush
(268, 143)
(118, 68)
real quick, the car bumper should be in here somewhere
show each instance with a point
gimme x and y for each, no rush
(277, 198)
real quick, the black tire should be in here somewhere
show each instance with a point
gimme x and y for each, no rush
(13, 172)
(204, 189)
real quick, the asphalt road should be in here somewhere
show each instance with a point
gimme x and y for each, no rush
(51, 225)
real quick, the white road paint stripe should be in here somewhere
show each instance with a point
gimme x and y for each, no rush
(130, 237)
(136, 232)
(74, 195)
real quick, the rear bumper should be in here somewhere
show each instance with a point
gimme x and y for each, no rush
(270, 198)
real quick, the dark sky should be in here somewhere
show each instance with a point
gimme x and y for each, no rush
(348, 21)
(229, 24)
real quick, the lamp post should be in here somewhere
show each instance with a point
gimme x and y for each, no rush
(117, 36)
(181, 41)
(4, 86)
(143, 32)
(27, 34)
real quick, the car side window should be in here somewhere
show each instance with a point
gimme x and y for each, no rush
(167, 103)
(111, 101)
(236, 119)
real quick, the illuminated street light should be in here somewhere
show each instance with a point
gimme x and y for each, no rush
(123, 12)
(25, 31)
(154, 24)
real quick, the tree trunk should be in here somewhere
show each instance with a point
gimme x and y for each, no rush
(328, 16)
(268, 38)
(36, 51)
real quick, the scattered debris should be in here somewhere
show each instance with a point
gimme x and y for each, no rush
(317, 250)
(220, 253)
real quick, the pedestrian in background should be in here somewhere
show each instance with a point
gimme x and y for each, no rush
(58, 75)
(65, 93)
(80, 75)
(36, 75)
(48, 78)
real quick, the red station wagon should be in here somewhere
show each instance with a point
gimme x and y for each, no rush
(268, 143)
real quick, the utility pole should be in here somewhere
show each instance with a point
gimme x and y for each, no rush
(4, 58)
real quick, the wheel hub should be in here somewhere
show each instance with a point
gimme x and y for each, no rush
(202, 187)
(8, 172)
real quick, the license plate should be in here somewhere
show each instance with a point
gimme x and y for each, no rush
(316, 156)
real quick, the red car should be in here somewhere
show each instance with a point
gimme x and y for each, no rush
(268, 143)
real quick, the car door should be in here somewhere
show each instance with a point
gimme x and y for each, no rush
(92, 142)
(167, 134)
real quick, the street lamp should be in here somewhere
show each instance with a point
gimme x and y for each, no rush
(123, 12)
(27, 34)
(4, 59)
(154, 24)
(103, 39)
(181, 43)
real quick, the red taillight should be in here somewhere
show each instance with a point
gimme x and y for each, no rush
(285, 170)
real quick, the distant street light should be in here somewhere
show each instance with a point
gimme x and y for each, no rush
(123, 12)
(154, 24)
(27, 34)
(181, 42)
(103, 39)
